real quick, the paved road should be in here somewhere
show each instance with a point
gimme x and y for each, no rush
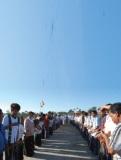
(65, 144)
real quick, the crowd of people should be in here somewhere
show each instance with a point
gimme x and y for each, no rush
(19, 135)
(102, 130)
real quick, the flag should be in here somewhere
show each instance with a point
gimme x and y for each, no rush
(42, 103)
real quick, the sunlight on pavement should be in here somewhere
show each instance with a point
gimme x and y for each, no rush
(64, 155)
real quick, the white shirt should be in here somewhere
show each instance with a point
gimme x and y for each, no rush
(95, 122)
(21, 131)
(109, 125)
(50, 122)
(15, 129)
(41, 124)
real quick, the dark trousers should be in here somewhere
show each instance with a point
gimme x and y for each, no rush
(20, 150)
(51, 131)
(1, 156)
(94, 145)
(43, 133)
(38, 140)
(11, 152)
(29, 146)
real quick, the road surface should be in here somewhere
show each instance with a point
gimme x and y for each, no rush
(65, 144)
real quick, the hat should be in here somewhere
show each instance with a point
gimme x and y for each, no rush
(105, 107)
(15, 106)
(1, 110)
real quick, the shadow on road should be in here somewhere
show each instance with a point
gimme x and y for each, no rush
(65, 144)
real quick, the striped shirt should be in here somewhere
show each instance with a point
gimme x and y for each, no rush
(115, 142)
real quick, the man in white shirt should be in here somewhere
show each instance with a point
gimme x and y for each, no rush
(95, 125)
(114, 143)
(11, 125)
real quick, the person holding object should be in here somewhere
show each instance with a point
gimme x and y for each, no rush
(114, 143)
(11, 125)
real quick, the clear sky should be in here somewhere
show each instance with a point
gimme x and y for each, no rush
(66, 52)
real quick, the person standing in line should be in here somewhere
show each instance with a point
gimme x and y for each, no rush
(51, 125)
(11, 124)
(114, 143)
(2, 136)
(20, 139)
(29, 134)
(46, 122)
(37, 134)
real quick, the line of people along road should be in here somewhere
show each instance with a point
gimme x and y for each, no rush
(19, 135)
(102, 130)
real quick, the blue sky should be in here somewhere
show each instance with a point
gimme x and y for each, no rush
(64, 52)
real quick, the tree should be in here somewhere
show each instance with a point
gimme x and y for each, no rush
(93, 108)
(7, 111)
(70, 111)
